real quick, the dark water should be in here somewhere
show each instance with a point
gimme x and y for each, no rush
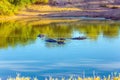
(22, 51)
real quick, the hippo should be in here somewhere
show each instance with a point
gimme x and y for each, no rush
(60, 42)
(51, 40)
(79, 38)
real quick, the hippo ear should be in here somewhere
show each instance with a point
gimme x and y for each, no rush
(38, 35)
(41, 35)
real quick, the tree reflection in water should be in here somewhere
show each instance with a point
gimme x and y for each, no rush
(13, 33)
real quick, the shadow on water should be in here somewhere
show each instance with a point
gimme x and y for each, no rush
(24, 32)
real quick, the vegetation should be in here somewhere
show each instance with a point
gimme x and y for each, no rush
(9, 7)
(42, 1)
(6, 8)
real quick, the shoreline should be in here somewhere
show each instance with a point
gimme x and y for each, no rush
(46, 11)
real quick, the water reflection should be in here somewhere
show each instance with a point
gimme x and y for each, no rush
(13, 33)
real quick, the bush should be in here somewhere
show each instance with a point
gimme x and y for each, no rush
(21, 2)
(41, 1)
(8, 7)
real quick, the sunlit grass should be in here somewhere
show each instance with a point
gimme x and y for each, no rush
(48, 8)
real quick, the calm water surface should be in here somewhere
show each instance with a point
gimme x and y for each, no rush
(22, 51)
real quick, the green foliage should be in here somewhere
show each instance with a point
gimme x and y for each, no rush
(21, 2)
(42, 1)
(8, 7)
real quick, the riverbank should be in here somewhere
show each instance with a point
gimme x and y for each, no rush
(38, 11)
(111, 14)
(92, 9)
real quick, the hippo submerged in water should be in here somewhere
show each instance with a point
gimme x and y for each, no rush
(51, 40)
(60, 40)
(79, 38)
(55, 41)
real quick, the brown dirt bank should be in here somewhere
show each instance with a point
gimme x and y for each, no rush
(109, 9)
(111, 14)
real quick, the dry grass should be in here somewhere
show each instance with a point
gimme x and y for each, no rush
(113, 6)
(48, 21)
(37, 10)
(36, 20)
(47, 8)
